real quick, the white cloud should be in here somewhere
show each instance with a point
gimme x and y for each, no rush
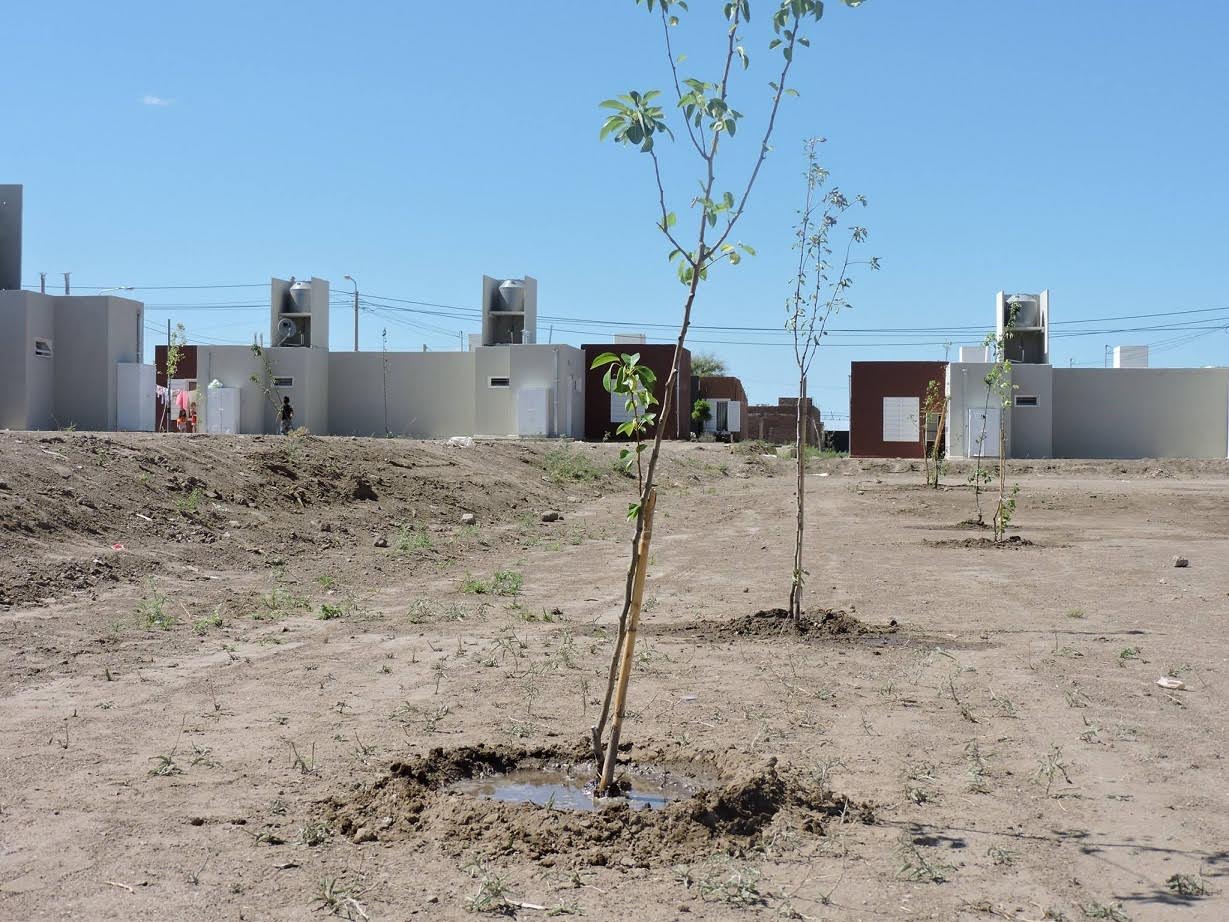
(155, 101)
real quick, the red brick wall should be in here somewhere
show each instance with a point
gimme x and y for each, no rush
(869, 383)
(775, 424)
(657, 356)
(724, 387)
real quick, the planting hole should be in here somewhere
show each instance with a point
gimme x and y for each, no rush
(563, 790)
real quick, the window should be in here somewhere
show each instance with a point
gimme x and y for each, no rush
(900, 419)
(1023, 400)
(283, 382)
(42, 347)
(499, 382)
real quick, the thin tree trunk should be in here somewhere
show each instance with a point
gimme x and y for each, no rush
(940, 436)
(795, 594)
(629, 643)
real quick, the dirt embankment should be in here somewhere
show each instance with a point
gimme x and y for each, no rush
(80, 511)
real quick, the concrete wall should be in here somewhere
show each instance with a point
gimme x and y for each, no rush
(966, 389)
(1141, 412)
(494, 408)
(40, 372)
(1032, 428)
(560, 369)
(16, 350)
(92, 335)
(430, 394)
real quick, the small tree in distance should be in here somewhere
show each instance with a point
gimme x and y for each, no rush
(818, 295)
(706, 365)
(707, 119)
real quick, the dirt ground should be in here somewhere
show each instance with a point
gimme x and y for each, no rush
(237, 675)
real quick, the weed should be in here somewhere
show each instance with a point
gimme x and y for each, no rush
(721, 879)
(1187, 885)
(1001, 856)
(202, 625)
(1050, 766)
(191, 503)
(564, 464)
(1076, 613)
(278, 604)
(503, 583)
(338, 899)
(915, 866)
(1127, 653)
(313, 834)
(412, 539)
(977, 768)
(326, 581)
(330, 612)
(1111, 911)
(491, 893)
(305, 766)
(166, 762)
(151, 609)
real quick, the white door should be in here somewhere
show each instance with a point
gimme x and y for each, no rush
(982, 435)
(222, 410)
(533, 411)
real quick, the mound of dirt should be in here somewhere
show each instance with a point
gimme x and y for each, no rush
(411, 804)
(1012, 542)
(775, 623)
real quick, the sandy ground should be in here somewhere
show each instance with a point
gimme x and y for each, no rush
(184, 721)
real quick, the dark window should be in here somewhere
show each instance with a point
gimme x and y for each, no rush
(42, 347)
(1023, 401)
(500, 382)
(283, 382)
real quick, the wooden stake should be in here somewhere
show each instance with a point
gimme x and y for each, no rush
(629, 644)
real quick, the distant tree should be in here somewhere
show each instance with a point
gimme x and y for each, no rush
(701, 412)
(705, 365)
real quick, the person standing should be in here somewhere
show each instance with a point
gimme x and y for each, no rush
(285, 415)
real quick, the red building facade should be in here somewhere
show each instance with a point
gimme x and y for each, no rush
(886, 407)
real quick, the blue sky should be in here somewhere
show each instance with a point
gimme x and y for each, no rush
(1015, 145)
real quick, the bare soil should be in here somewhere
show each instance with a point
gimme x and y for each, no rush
(222, 699)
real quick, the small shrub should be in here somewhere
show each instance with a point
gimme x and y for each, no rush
(202, 625)
(564, 464)
(412, 539)
(151, 609)
(330, 612)
(191, 503)
(504, 582)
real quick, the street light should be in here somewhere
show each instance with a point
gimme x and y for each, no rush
(118, 288)
(350, 279)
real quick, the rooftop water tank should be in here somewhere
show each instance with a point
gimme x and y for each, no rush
(1027, 309)
(512, 294)
(300, 298)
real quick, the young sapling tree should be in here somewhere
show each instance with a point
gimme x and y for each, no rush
(818, 296)
(708, 119)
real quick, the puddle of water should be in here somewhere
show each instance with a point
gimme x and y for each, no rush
(562, 791)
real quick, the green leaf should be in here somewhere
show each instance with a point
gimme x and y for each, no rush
(604, 359)
(633, 510)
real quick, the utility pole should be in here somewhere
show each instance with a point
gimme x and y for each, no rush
(350, 279)
(42, 283)
(66, 275)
